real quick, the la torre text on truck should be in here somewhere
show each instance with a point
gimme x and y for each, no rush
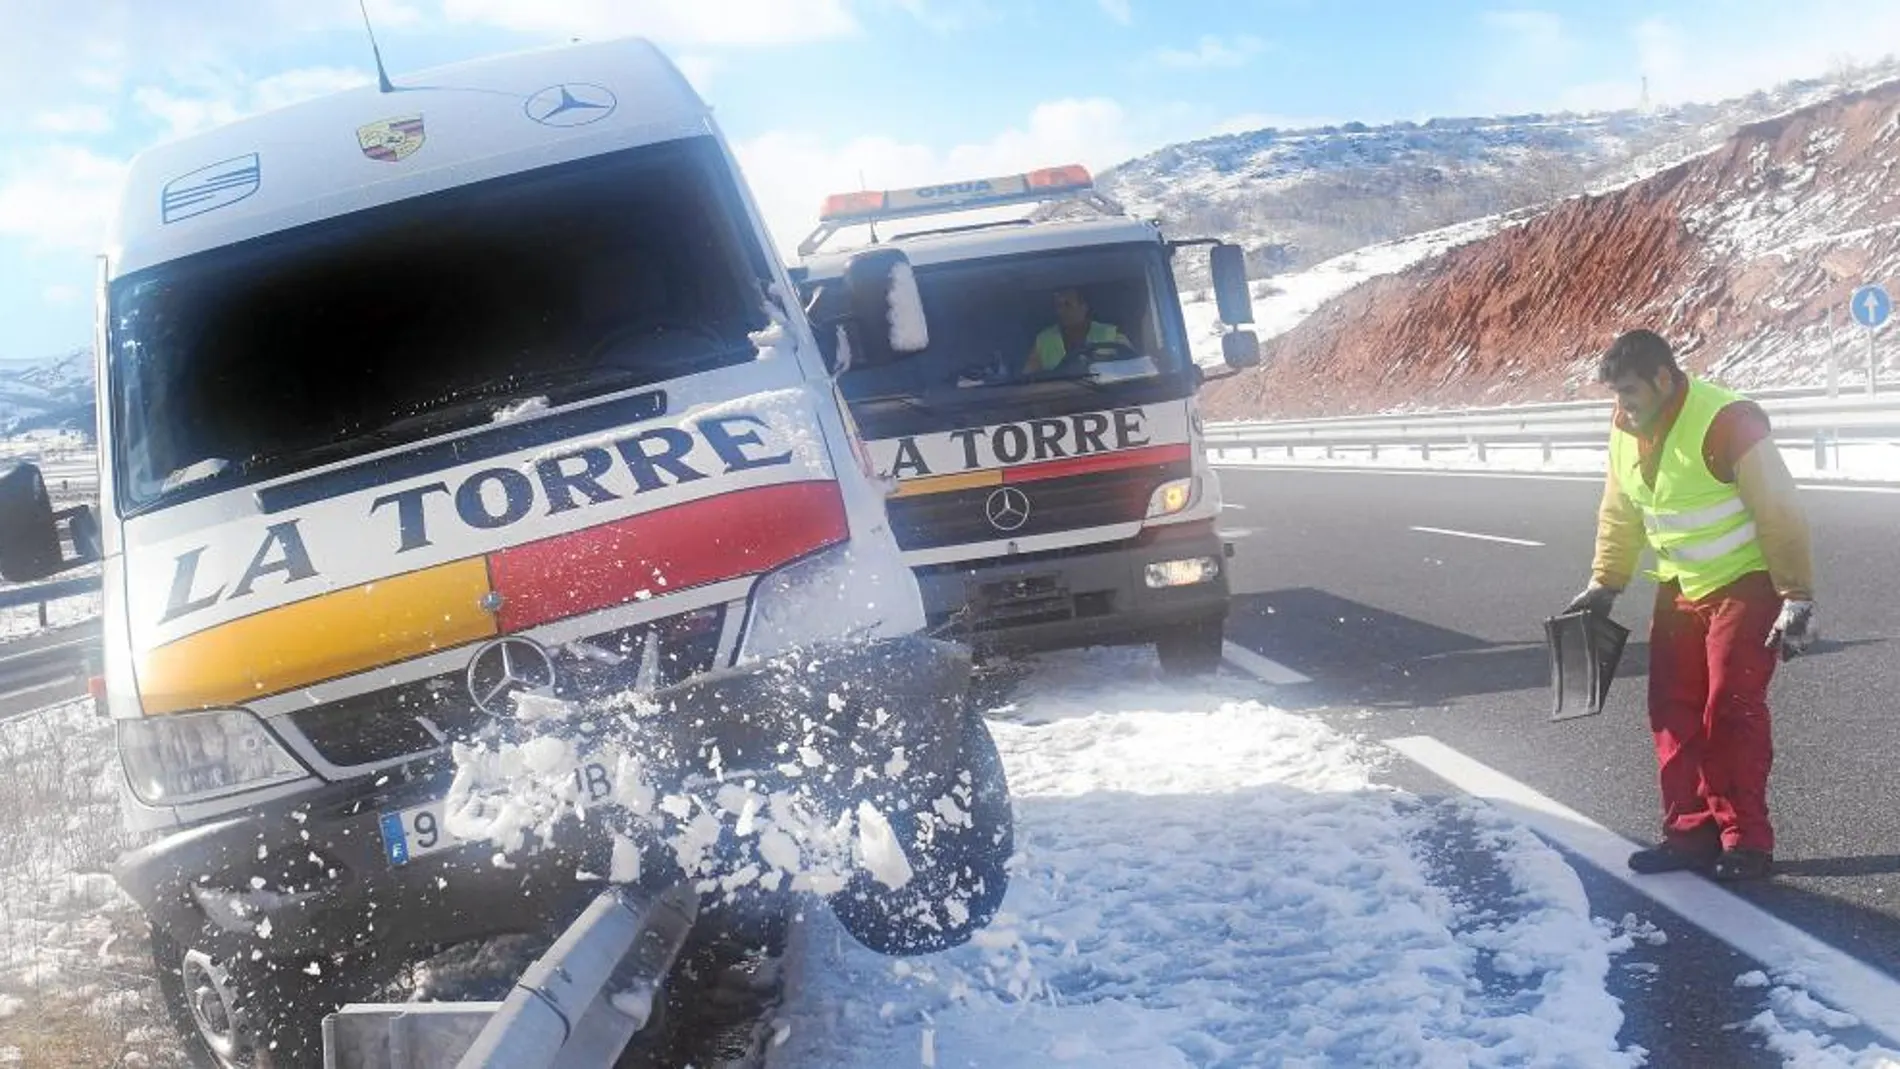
(500, 497)
(1054, 438)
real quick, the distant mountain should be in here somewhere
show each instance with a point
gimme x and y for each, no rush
(1743, 256)
(1297, 197)
(56, 392)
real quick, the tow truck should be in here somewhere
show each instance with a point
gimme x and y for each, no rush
(1047, 479)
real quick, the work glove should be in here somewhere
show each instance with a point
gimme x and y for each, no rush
(1596, 598)
(1794, 630)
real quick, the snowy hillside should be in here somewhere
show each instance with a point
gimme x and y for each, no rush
(1298, 197)
(54, 392)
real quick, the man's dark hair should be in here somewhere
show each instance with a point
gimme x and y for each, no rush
(1639, 352)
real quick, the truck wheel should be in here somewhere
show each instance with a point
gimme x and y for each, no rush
(954, 890)
(1194, 650)
(230, 1020)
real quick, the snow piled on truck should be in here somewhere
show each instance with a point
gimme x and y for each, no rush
(1203, 880)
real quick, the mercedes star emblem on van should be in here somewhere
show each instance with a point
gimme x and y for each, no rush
(504, 668)
(391, 139)
(571, 104)
(1007, 509)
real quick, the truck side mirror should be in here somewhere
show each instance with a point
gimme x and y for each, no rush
(1240, 349)
(1231, 297)
(886, 307)
(29, 533)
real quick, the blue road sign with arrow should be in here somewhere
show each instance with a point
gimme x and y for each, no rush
(1871, 306)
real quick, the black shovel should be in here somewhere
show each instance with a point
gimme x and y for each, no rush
(1584, 650)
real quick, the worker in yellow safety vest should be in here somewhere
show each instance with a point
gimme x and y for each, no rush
(1074, 328)
(1695, 477)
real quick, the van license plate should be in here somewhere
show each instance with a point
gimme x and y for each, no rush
(423, 829)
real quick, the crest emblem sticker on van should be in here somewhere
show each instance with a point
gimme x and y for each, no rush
(391, 140)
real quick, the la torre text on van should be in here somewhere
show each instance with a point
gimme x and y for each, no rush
(1047, 438)
(500, 497)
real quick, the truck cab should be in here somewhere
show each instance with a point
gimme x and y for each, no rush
(1043, 451)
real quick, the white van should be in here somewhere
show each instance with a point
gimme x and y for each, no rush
(412, 401)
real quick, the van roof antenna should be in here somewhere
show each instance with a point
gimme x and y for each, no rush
(382, 75)
(862, 185)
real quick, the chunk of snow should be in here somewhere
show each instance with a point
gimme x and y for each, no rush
(878, 848)
(910, 332)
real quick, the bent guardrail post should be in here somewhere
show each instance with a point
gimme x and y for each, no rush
(562, 1011)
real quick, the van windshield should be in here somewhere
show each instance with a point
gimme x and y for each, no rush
(428, 315)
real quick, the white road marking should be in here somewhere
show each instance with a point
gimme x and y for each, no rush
(37, 687)
(1448, 473)
(1231, 505)
(1261, 668)
(91, 640)
(1479, 537)
(1842, 980)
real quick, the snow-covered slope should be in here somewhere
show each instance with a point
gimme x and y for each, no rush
(1298, 197)
(54, 392)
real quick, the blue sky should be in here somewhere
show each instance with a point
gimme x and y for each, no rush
(815, 92)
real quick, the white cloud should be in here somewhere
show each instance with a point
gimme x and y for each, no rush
(225, 97)
(1212, 52)
(59, 197)
(679, 22)
(1121, 11)
(791, 172)
(76, 119)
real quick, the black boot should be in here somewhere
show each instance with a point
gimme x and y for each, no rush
(1673, 855)
(1743, 863)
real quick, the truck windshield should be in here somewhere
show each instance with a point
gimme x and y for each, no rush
(411, 319)
(1100, 317)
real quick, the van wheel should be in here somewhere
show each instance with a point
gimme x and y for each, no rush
(1194, 650)
(231, 1019)
(957, 886)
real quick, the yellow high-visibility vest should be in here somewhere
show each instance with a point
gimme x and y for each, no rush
(1701, 532)
(1050, 349)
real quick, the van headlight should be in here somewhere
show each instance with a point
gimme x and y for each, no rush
(836, 595)
(188, 757)
(1173, 496)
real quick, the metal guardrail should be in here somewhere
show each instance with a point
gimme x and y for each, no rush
(1798, 416)
(576, 1007)
(28, 594)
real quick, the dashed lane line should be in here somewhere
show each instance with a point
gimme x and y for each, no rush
(1264, 669)
(1448, 532)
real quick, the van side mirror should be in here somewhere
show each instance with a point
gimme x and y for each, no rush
(886, 307)
(29, 532)
(1240, 349)
(1231, 296)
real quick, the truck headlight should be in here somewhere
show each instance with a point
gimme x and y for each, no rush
(187, 757)
(832, 596)
(1175, 495)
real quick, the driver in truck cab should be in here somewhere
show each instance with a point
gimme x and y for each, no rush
(1073, 329)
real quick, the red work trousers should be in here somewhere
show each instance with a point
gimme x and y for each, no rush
(1708, 706)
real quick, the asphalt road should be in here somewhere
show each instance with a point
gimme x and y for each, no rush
(46, 667)
(1408, 632)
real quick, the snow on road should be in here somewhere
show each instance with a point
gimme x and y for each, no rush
(1203, 880)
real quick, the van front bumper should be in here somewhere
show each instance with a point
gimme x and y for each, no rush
(311, 875)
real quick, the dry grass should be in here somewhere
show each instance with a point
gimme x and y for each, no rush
(73, 949)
